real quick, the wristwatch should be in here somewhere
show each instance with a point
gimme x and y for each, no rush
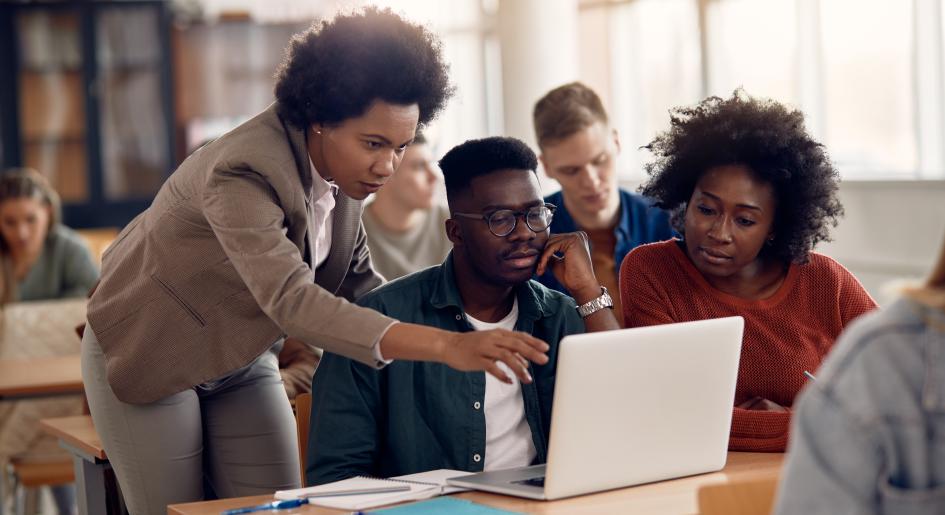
(594, 305)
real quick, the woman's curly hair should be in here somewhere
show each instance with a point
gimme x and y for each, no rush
(335, 70)
(769, 139)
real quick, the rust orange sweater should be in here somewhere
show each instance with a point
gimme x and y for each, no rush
(785, 334)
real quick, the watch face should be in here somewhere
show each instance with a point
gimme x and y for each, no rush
(606, 300)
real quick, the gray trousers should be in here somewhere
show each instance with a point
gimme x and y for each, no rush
(235, 436)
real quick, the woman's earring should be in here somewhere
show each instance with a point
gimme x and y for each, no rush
(316, 131)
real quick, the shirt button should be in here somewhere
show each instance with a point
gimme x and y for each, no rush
(459, 317)
(477, 405)
(477, 458)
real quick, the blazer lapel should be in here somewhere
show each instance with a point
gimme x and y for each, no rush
(300, 226)
(302, 161)
(346, 218)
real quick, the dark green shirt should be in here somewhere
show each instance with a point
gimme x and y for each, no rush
(416, 416)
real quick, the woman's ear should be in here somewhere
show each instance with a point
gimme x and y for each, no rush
(454, 232)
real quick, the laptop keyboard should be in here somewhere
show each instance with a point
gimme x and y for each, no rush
(535, 481)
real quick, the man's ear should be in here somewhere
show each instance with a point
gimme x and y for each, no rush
(454, 232)
(616, 136)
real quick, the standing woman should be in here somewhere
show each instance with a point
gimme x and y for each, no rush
(255, 237)
(753, 194)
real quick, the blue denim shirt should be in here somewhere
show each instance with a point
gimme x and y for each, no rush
(640, 222)
(417, 416)
(868, 436)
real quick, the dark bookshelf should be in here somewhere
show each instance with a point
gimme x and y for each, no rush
(85, 97)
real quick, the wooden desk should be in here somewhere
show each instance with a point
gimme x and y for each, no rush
(96, 485)
(40, 376)
(676, 496)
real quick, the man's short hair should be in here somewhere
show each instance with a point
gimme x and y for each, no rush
(566, 110)
(479, 157)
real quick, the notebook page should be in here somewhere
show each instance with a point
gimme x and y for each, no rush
(360, 501)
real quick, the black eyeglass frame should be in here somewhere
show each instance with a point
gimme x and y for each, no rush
(515, 214)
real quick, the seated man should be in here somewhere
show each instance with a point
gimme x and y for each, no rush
(417, 416)
(579, 150)
(404, 224)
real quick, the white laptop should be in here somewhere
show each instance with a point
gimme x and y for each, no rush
(633, 406)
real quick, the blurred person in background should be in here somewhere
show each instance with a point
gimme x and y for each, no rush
(867, 433)
(404, 224)
(752, 194)
(40, 259)
(579, 149)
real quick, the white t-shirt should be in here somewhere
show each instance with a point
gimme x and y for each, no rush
(508, 438)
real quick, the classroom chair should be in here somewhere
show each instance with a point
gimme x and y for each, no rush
(98, 240)
(29, 475)
(303, 409)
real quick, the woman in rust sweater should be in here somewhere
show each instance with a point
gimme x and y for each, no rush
(752, 194)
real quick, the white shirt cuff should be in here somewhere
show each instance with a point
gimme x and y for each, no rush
(378, 357)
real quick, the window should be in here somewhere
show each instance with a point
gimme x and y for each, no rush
(656, 43)
(867, 75)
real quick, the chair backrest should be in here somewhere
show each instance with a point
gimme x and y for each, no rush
(303, 410)
(754, 497)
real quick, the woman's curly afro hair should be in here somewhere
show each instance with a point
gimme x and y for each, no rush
(771, 141)
(337, 68)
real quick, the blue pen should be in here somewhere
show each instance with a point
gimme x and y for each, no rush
(274, 505)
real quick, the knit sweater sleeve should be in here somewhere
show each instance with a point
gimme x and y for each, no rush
(759, 431)
(854, 299)
(643, 296)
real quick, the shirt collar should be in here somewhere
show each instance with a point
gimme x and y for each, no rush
(320, 186)
(531, 305)
(563, 222)
(624, 222)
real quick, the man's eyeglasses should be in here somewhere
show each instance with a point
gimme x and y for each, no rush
(503, 222)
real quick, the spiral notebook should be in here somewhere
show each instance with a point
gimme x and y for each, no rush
(423, 485)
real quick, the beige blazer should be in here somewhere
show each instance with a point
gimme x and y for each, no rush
(220, 266)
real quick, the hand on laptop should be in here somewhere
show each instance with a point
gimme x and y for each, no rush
(482, 350)
(572, 265)
(761, 404)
